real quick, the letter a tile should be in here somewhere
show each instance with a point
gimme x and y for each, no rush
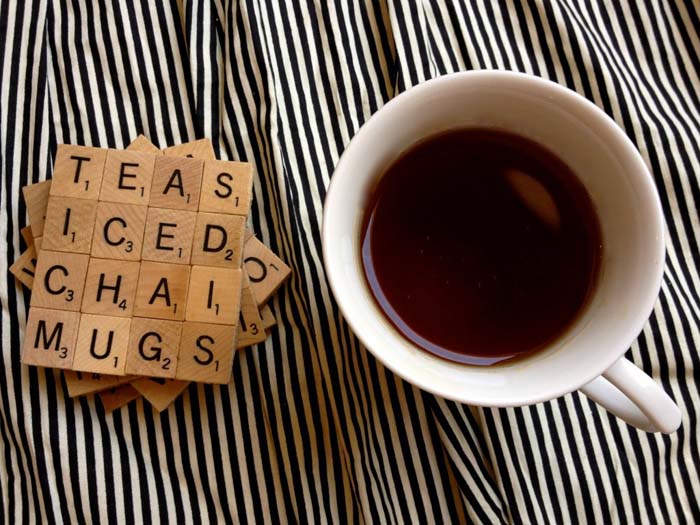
(176, 183)
(162, 291)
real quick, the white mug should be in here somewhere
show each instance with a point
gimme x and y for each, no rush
(590, 355)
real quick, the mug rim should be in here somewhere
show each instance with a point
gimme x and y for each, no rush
(645, 179)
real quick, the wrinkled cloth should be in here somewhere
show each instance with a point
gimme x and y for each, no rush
(312, 429)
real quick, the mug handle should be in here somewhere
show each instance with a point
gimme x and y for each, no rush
(634, 397)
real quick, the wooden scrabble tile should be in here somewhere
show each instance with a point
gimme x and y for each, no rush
(117, 397)
(50, 338)
(38, 241)
(119, 231)
(176, 183)
(110, 287)
(102, 344)
(77, 171)
(265, 270)
(127, 177)
(36, 197)
(69, 224)
(198, 149)
(141, 143)
(168, 236)
(59, 280)
(227, 187)
(206, 352)
(153, 347)
(24, 268)
(160, 392)
(83, 383)
(248, 234)
(27, 235)
(251, 330)
(215, 295)
(268, 318)
(162, 291)
(218, 240)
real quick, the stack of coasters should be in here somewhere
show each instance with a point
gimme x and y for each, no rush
(143, 274)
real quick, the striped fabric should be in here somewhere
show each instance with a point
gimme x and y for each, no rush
(313, 429)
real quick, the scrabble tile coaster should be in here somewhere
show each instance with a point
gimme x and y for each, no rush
(59, 280)
(24, 268)
(251, 330)
(268, 317)
(162, 291)
(215, 295)
(176, 183)
(227, 187)
(117, 397)
(168, 236)
(206, 352)
(198, 149)
(102, 344)
(110, 287)
(118, 232)
(83, 383)
(204, 345)
(27, 235)
(127, 177)
(141, 143)
(265, 270)
(50, 338)
(218, 240)
(36, 197)
(69, 224)
(153, 347)
(78, 171)
(159, 392)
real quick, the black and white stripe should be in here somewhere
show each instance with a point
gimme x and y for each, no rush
(312, 428)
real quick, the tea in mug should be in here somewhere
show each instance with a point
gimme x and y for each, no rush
(481, 246)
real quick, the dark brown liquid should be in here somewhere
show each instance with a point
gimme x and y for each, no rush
(480, 245)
